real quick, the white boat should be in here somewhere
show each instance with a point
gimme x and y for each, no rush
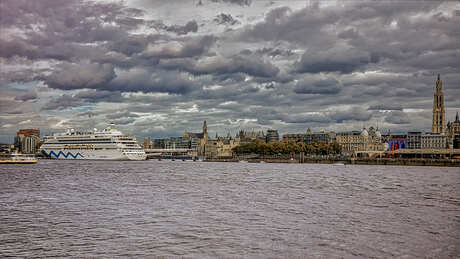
(108, 144)
(17, 158)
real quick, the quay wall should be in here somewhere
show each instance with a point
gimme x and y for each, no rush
(351, 161)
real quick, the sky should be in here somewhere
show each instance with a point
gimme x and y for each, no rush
(158, 68)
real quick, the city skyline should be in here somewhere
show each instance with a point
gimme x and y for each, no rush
(158, 69)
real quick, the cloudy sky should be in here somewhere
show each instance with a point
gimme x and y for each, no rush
(157, 67)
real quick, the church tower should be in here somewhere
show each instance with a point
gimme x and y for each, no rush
(439, 113)
(205, 129)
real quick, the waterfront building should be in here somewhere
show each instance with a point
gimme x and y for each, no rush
(396, 141)
(27, 141)
(453, 128)
(350, 141)
(439, 113)
(316, 137)
(311, 137)
(456, 141)
(366, 141)
(249, 136)
(159, 143)
(178, 143)
(433, 141)
(419, 140)
(201, 138)
(414, 140)
(272, 136)
(296, 137)
(148, 143)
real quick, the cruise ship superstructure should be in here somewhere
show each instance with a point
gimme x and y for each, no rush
(108, 144)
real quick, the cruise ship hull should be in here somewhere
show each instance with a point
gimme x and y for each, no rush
(92, 154)
(108, 144)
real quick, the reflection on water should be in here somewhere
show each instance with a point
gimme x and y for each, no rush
(208, 210)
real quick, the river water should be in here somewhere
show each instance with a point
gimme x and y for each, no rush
(228, 210)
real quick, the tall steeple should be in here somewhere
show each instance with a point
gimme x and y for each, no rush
(456, 118)
(439, 113)
(205, 127)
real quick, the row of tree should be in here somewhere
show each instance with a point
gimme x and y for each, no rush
(273, 148)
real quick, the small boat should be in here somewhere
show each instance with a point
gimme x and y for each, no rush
(18, 158)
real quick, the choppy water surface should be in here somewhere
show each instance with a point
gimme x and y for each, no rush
(209, 210)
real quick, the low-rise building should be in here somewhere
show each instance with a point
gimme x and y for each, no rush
(296, 137)
(27, 140)
(272, 136)
(419, 140)
(397, 141)
(353, 142)
(433, 141)
(414, 140)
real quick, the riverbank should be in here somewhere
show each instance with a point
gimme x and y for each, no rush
(352, 161)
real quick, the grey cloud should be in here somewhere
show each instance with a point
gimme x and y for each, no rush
(302, 27)
(62, 102)
(82, 75)
(123, 114)
(334, 60)
(337, 116)
(397, 117)
(225, 19)
(386, 107)
(388, 49)
(238, 2)
(122, 121)
(28, 96)
(188, 48)
(148, 81)
(96, 96)
(355, 114)
(325, 86)
(191, 26)
(275, 52)
(254, 66)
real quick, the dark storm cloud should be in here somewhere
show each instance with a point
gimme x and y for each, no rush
(82, 75)
(238, 2)
(191, 47)
(339, 116)
(325, 86)
(191, 26)
(148, 81)
(343, 60)
(95, 96)
(303, 27)
(225, 19)
(285, 67)
(52, 23)
(123, 114)
(254, 66)
(62, 102)
(275, 52)
(397, 117)
(386, 107)
(28, 96)
(122, 121)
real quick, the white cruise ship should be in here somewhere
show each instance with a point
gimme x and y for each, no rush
(108, 144)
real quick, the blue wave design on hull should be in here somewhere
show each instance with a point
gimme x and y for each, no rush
(62, 153)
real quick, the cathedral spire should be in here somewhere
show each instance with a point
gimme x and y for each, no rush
(439, 113)
(205, 127)
(456, 118)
